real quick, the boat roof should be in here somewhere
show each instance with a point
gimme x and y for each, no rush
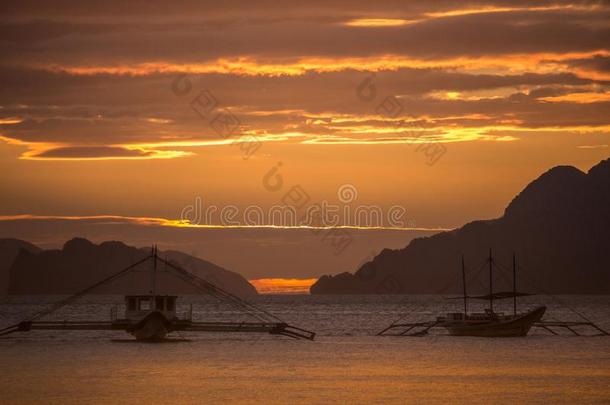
(495, 296)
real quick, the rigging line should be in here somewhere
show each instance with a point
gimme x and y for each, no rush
(479, 270)
(452, 282)
(206, 290)
(85, 291)
(216, 297)
(79, 294)
(247, 310)
(417, 306)
(410, 310)
(472, 277)
(553, 296)
(225, 294)
(503, 270)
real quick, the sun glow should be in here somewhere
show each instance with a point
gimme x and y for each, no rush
(283, 285)
(10, 120)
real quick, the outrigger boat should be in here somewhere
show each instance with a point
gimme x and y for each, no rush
(152, 317)
(489, 323)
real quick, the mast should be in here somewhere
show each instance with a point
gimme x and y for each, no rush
(491, 289)
(153, 280)
(514, 284)
(464, 286)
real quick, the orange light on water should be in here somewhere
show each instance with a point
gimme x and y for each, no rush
(283, 285)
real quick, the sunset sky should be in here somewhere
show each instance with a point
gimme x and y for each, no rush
(117, 116)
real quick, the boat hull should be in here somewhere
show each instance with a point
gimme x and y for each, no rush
(155, 326)
(514, 327)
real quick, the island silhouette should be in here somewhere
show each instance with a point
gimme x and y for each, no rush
(558, 227)
(81, 263)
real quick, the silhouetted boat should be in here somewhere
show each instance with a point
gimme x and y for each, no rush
(152, 317)
(489, 323)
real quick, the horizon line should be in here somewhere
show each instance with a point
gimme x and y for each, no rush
(177, 223)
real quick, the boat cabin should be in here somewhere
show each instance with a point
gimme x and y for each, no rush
(138, 306)
(474, 316)
(452, 316)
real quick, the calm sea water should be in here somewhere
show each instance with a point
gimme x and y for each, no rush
(346, 363)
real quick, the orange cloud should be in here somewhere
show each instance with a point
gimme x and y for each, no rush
(378, 22)
(327, 129)
(394, 22)
(63, 151)
(602, 146)
(511, 63)
(485, 10)
(580, 98)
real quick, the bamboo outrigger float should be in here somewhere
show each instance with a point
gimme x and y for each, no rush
(489, 323)
(152, 317)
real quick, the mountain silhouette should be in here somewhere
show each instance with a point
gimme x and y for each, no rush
(558, 227)
(9, 249)
(81, 263)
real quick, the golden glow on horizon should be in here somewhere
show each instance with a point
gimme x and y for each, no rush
(10, 120)
(177, 223)
(283, 285)
(159, 120)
